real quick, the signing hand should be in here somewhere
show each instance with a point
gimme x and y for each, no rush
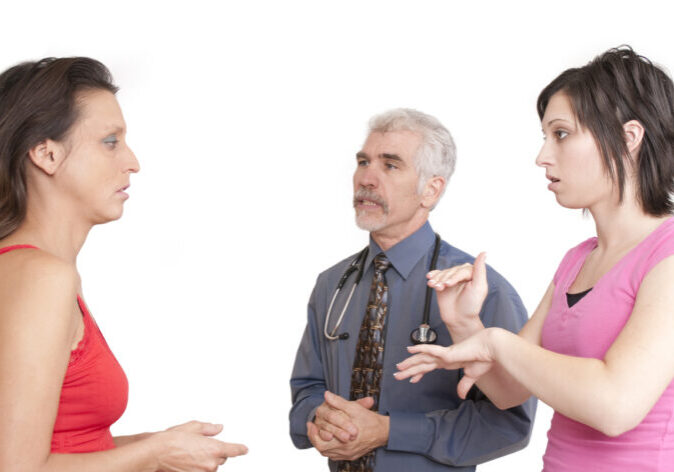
(333, 422)
(461, 291)
(372, 431)
(474, 356)
(189, 447)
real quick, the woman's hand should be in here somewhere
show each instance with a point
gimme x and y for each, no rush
(461, 291)
(189, 447)
(474, 355)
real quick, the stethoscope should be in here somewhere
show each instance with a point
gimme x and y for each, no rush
(422, 335)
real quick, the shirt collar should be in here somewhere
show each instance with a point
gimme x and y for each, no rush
(405, 255)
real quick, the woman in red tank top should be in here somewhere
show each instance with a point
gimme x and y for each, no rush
(65, 167)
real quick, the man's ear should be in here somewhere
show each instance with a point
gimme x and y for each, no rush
(634, 135)
(432, 191)
(47, 156)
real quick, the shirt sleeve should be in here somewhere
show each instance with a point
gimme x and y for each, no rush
(476, 431)
(307, 383)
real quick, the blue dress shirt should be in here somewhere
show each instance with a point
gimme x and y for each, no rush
(431, 428)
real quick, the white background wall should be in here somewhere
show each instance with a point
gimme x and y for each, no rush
(246, 117)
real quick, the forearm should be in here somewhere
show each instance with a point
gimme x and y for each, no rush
(500, 387)
(304, 406)
(582, 389)
(137, 456)
(124, 440)
(473, 433)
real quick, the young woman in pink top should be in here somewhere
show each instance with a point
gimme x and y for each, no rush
(598, 349)
(65, 167)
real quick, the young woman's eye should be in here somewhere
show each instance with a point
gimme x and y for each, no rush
(561, 134)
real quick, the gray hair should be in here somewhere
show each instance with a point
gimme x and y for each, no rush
(436, 155)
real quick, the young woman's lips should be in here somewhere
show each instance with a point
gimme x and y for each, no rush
(554, 183)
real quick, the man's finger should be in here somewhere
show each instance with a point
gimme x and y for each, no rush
(312, 434)
(325, 435)
(337, 418)
(340, 403)
(334, 430)
(366, 402)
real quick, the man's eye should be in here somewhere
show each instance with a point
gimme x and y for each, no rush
(362, 162)
(391, 166)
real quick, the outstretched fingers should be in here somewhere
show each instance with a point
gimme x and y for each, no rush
(233, 450)
(476, 272)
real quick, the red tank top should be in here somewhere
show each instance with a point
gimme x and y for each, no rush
(94, 391)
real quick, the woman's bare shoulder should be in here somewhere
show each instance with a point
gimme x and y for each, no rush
(34, 283)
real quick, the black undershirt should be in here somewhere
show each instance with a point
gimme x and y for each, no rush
(573, 298)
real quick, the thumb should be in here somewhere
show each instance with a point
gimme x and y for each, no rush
(198, 427)
(464, 386)
(210, 429)
(366, 402)
(480, 270)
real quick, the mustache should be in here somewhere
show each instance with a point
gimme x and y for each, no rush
(367, 194)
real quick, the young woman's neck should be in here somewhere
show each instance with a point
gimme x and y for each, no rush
(624, 224)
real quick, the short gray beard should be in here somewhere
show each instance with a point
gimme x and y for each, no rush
(365, 194)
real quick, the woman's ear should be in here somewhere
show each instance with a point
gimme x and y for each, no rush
(634, 134)
(47, 156)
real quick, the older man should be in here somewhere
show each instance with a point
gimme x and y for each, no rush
(346, 402)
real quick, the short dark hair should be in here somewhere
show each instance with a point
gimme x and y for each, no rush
(614, 88)
(38, 102)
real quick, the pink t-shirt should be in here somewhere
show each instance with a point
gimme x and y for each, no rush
(587, 330)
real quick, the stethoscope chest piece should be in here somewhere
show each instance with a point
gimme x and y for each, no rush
(424, 335)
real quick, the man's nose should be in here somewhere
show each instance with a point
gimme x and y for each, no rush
(369, 177)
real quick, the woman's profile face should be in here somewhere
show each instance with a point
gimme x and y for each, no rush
(571, 158)
(95, 174)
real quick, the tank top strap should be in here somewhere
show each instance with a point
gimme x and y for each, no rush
(16, 246)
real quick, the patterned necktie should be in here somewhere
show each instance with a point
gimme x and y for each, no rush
(367, 366)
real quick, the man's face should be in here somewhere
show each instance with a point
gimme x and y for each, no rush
(385, 183)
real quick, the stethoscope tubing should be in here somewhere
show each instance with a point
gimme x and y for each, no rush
(428, 336)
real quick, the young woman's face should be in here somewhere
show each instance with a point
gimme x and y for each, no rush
(571, 158)
(96, 171)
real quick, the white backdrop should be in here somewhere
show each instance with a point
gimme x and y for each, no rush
(246, 116)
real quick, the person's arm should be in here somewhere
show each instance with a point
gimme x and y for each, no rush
(461, 292)
(307, 382)
(129, 439)
(476, 431)
(38, 325)
(612, 395)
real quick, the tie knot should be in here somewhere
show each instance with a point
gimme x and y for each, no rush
(381, 263)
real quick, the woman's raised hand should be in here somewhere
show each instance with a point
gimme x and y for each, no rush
(461, 291)
(189, 447)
